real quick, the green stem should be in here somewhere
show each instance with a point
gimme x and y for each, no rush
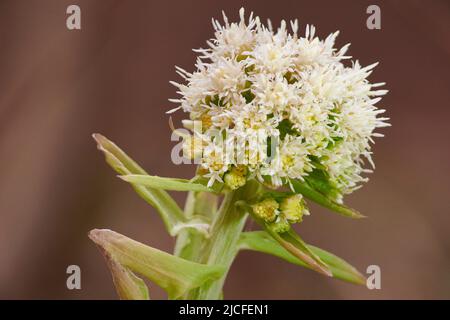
(189, 241)
(184, 241)
(222, 246)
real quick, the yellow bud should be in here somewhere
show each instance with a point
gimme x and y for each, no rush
(280, 225)
(234, 181)
(236, 178)
(293, 208)
(266, 210)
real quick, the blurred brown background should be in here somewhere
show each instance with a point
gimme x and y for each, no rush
(59, 86)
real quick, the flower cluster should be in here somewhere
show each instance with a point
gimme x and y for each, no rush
(280, 212)
(314, 112)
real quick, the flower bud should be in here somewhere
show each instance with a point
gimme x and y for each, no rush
(293, 208)
(236, 177)
(266, 209)
(280, 225)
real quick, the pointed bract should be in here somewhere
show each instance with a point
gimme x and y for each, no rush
(175, 275)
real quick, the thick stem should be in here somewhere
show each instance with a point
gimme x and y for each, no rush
(189, 242)
(221, 247)
(184, 241)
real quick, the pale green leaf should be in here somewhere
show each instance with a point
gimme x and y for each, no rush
(262, 242)
(292, 243)
(189, 242)
(296, 246)
(128, 285)
(306, 190)
(164, 183)
(171, 214)
(175, 275)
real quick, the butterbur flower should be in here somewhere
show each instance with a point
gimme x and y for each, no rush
(297, 89)
(276, 119)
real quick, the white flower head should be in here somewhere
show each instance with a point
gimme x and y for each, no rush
(293, 93)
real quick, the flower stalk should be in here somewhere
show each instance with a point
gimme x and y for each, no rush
(221, 247)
